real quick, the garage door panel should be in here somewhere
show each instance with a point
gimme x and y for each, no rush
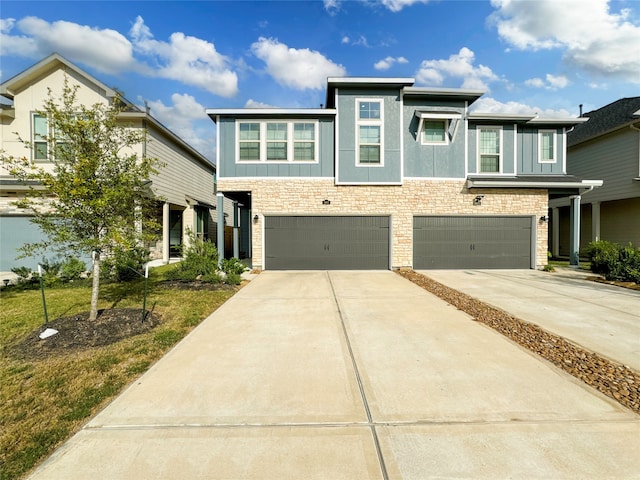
(326, 242)
(472, 242)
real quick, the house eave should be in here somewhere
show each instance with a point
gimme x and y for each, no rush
(213, 113)
(514, 182)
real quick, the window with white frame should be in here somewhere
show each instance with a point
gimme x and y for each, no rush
(40, 136)
(434, 131)
(369, 132)
(277, 141)
(489, 149)
(547, 146)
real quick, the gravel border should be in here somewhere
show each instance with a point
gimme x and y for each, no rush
(614, 379)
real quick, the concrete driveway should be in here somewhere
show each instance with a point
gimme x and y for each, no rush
(602, 318)
(350, 375)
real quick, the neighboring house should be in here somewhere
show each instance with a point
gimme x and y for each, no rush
(388, 175)
(185, 183)
(606, 147)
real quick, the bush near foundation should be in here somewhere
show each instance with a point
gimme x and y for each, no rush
(614, 261)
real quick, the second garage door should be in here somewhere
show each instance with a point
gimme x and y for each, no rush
(442, 242)
(326, 242)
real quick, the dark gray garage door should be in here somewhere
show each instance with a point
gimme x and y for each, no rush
(326, 243)
(472, 242)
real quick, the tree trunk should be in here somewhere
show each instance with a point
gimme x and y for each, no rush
(93, 313)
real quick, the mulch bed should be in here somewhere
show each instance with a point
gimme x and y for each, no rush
(607, 376)
(194, 285)
(76, 332)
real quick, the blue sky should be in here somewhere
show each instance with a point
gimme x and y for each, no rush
(543, 56)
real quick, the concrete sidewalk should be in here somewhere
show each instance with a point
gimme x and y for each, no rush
(350, 375)
(602, 318)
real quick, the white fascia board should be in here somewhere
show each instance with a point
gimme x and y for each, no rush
(370, 80)
(439, 115)
(443, 91)
(269, 111)
(558, 121)
(499, 116)
(516, 184)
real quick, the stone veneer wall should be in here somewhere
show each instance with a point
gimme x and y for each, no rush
(416, 197)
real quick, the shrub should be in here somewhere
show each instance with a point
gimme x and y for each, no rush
(614, 261)
(233, 265)
(72, 269)
(23, 273)
(126, 264)
(50, 272)
(232, 278)
(200, 261)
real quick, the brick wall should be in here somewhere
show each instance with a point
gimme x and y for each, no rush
(415, 197)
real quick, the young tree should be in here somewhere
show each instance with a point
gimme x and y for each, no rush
(93, 195)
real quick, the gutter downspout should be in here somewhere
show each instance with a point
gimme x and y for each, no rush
(574, 221)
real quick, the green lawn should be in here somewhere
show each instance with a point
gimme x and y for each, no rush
(43, 402)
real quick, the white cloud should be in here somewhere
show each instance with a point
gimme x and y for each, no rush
(592, 37)
(361, 40)
(551, 82)
(332, 6)
(397, 5)
(296, 68)
(105, 50)
(387, 63)
(491, 105)
(187, 119)
(251, 103)
(459, 66)
(188, 59)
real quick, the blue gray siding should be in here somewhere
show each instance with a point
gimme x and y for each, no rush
(527, 149)
(508, 147)
(348, 171)
(228, 167)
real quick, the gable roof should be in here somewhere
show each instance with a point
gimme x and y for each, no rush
(43, 68)
(614, 116)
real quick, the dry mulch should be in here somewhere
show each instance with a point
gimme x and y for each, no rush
(607, 376)
(76, 332)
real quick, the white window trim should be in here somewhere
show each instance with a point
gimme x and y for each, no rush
(555, 146)
(369, 122)
(446, 131)
(290, 142)
(500, 155)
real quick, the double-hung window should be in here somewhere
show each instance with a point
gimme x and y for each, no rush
(369, 132)
(489, 149)
(434, 131)
(277, 141)
(547, 146)
(40, 137)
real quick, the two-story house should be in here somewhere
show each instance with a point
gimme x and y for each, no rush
(605, 147)
(184, 185)
(389, 175)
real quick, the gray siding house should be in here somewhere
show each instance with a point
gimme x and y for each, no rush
(184, 186)
(388, 175)
(605, 147)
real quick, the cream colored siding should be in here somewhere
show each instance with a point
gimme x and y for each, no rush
(180, 174)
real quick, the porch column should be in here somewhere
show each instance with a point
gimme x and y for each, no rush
(165, 233)
(236, 229)
(574, 231)
(555, 232)
(595, 221)
(220, 209)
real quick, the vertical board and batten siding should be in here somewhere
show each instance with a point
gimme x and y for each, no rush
(527, 150)
(613, 158)
(230, 168)
(327, 242)
(508, 147)
(432, 161)
(348, 170)
(445, 242)
(180, 175)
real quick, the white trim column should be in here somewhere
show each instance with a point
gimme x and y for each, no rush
(220, 209)
(595, 221)
(555, 232)
(165, 232)
(574, 231)
(236, 229)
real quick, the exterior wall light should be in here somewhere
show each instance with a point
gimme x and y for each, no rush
(326, 202)
(478, 200)
(544, 219)
(256, 218)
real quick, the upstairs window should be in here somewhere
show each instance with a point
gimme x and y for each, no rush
(547, 146)
(249, 141)
(434, 131)
(277, 142)
(489, 149)
(369, 132)
(40, 135)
